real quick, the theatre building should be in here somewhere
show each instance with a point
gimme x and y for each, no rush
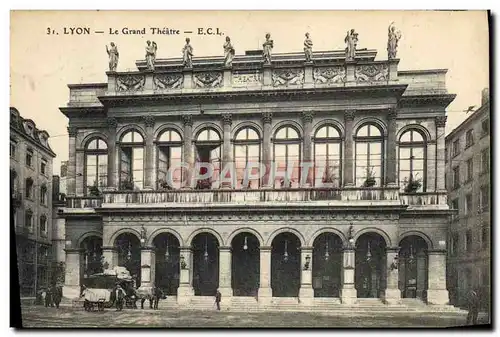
(370, 221)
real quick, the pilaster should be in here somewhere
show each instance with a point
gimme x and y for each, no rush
(266, 147)
(267, 79)
(348, 293)
(225, 273)
(306, 292)
(391, 163)
(392, 292)
(349, 148)
(307, 118)
(265, 292)
(187, 121)
(185, 290)
(112, 171)
(73, 271)
(147, 267)
(437, 292)
(71, 183)
(440, 147)
(226, 148)
(188, 78)
(149, 122)
(110, 255)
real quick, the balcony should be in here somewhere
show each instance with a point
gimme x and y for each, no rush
(83, 202)
(17, 199)
(427, 200)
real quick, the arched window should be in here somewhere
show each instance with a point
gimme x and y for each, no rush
(247, 151)
(96, 166)
(29, 188)
(28, 219)
(208, 150)
(43, 194)
(43, 224)
(169, 156)
(369, 155)
(327, 157)
(131, 161)
(287, 157)
(412, 158)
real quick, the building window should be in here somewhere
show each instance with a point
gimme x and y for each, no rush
(485, 127)
(327, 157)
(369, 155)
(485, 237)
(446, 181)
(132, 161)
(485, 160)
(13, 147)
(456, 147)
(28, 218)
(456, 177)
(29, 157)
(287, 157)
(454, 244)
(468, 204)
(469, 138)
(43, 194)
(169, 158)
(43, 224)
(484, 198)
(43, 167)
(208, 150)
(29, 188)
(96, 166)
(13, 180)
(446, 155)
(412, 148)
(468, 241)
(470, 169)
(454, 206)
(247, 151)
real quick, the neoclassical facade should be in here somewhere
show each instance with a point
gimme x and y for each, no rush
(371, 223)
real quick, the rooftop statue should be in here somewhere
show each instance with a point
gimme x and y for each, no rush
(392, 41)
(351, 40)
(113, 56)
(308, 48)
(151, 55)
(228, 52)
(187, 54)
(267, 49)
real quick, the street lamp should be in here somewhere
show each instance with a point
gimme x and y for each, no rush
(368, 253)
(327, 254)
(205, 255)
(285, 253)
(411, 258)
(245, 245)
(167, 253)
(129, 254)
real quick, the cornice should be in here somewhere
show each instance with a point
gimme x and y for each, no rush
(422, 100)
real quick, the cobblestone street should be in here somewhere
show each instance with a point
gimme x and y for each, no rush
(67, 317)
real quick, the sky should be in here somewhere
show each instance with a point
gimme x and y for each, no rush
(42, 64)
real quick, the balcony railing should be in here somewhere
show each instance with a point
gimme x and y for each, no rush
(83, 202)
(436, 199)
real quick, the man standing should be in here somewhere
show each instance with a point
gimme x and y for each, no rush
(218, 298)
(473, 307)
(119, 296)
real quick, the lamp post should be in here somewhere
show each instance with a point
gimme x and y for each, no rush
(285, 253)
(245, 245)
(327, 254)
(167, 253)
(205, 255)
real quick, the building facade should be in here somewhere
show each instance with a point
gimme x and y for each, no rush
(31, 185)
(371, 223)
(468, 183)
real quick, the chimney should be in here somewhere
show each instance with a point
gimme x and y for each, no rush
(485, 96)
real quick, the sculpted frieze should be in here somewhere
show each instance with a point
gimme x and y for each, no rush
(329, 75)
(286, 77)
(168, 81)
(208, 79)
(372, 72)
(130, 82)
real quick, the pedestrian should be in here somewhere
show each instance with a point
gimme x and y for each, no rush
(472, 306)
(48, 298)
(56, 295)
(218, 298)
(119, 296)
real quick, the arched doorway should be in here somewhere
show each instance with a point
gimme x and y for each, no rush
(93, 262)
(245, 265)
(167, 255)
(285, 265)
(205, 248)
(369, 278)
(327, 265)
(129, 255)
(413, 267)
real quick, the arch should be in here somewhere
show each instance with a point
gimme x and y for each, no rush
(370, 120)
(247, 124)
(205, 125)
(87, 235)
(127, 230)
(130, 127)
(284, 230)
(149, 241)
(193, 234)
(329, 122)
(423, 130)
(379, 231)
(164, 127)
(421, 235)
(248, 129)
(327, 230)
(243, 230)
(90, 137)
(291, 123)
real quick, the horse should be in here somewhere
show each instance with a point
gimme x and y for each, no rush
(153, 294)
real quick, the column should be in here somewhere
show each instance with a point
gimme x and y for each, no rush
(349, 148)
(440, 162)
(80, 167)
(266, 147)
(112, 171)
(391, 162)
(110, 255)
(392, 292)
(73, 267)
(71, 183)
(437, 292)
(307, 118)
(187, 150)
(225, 273)
(226, 149)
(185, 290)
(348, 293)
(147, 263)
(421, 271)
(265, 292)
(306, 292)
(149, 166)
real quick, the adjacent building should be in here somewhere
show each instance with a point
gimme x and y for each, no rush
(31, 185)
(370, 221)
(468, 178)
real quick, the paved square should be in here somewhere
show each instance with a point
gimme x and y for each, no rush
(66, 317)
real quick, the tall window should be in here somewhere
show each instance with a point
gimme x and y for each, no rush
(484, 198)
(327, 156)
(456, 177)
(169, 156)
(485, 236)
(247, 151)
(468, 204)
(29, 188)
(456, 147)
(43, 224)
(455, 206)
(412, 150)
(485, 160)
(96, 169)
(132, 161)
(28, 218)
(468, 241)
(469, 138)
(485, 127)
(29, 157)
(43, 166)
(470, 169)
(43, 194)
(454, 244)
(208, 150)
(13, 147)
(369, 147)
(287, 157)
